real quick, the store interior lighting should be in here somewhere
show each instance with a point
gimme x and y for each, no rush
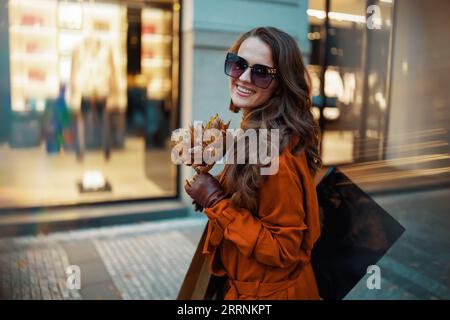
(320, 14)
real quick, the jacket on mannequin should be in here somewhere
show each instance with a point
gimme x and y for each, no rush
(93, 73)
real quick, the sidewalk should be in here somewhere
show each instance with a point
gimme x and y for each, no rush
(149, 260)
(140, 261)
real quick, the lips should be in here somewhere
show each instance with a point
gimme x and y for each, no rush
(244, 91)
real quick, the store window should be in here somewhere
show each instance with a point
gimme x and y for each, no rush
(93, 97)
(349, 66)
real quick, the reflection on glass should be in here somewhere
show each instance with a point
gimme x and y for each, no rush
(355, 108)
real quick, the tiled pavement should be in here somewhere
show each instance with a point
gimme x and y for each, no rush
(141, 261)
(149, 260)
(35, 273)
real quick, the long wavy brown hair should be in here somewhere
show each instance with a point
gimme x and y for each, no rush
(289, 110)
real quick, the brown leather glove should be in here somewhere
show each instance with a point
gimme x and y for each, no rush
(205, 190)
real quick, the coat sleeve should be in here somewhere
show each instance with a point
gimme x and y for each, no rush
(275, 237)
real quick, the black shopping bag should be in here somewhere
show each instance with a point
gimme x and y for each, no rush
(356, 233)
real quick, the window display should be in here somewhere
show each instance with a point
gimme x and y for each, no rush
(71, 97)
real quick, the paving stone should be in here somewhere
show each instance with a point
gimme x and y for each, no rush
(80, 251)
(149, 260)
(100, 291)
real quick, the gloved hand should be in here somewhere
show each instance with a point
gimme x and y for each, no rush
(205, 190)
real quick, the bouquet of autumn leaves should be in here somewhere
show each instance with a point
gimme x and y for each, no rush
(212, 144)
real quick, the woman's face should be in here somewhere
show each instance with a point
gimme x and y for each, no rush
(243, 93)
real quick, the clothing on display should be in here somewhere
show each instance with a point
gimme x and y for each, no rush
(93, 72)
(93, 89)
(94, 128)
(58, 128)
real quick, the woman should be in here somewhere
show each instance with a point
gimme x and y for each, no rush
(261, 229)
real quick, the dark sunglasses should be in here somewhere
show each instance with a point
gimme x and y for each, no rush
(261, 75)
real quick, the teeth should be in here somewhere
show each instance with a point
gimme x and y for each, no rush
(243, 90)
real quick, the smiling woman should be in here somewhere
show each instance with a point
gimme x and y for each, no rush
(262, 227)
(251, 74)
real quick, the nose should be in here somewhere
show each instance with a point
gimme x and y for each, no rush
(246, 76)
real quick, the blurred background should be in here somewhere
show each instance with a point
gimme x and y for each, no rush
(90, 91)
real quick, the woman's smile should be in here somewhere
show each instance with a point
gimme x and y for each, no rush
(244, 91)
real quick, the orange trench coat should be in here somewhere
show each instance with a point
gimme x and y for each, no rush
(268, 257)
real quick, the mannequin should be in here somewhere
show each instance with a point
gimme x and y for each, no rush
(92, 86)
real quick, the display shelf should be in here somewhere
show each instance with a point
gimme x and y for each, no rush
(33, 52)
(32, 14)
(156, 54)
(33, 58)
(156, 63)
(36, 31)
(158, 38)
(32, 45)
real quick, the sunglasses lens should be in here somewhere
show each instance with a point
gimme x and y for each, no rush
(234, 66)
(260, 77)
